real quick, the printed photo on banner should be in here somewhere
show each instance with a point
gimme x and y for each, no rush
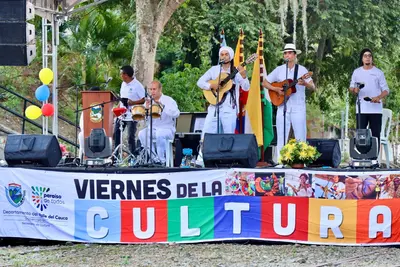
(388, 186)
(297, 185)
(255, 184)
(329, 186)
(356, 186)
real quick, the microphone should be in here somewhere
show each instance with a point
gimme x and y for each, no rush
(285, 60)
(360, 85)
(124, 101)
(221, 62)
(108, 80)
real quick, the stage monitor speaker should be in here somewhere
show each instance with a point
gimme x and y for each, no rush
(42, 150)
(230, 150)
(330, 150)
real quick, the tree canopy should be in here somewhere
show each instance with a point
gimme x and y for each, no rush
(331, 33)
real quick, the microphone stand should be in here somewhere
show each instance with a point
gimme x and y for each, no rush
(285, 88)
(151, 127)
(357, 85)
(217, 96)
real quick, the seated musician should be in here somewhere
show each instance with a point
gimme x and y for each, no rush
(230, 103)
(164, 126)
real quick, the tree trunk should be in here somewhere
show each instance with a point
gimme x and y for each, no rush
(151, 18)
(318, 59)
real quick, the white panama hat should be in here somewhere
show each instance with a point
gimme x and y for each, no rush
(291, 47)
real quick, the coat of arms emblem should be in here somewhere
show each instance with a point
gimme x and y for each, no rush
(15, 194)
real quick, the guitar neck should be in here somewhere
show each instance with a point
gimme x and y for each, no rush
(232, 74)
(295, 82)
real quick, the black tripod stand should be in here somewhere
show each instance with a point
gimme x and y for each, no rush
(147, 155)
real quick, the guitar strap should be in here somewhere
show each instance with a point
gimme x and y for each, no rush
(296, 70)
(233, 95)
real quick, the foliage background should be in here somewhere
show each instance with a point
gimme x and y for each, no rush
(95, 43)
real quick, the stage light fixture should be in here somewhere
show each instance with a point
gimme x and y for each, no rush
(97, 148)
(364, 149)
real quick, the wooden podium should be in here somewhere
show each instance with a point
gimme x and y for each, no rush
(97, 116)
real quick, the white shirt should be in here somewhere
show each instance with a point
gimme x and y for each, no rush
(375, 83)
(169, 114)
(296, 101)
(213, 73)
(305, 192)
(336, 187)
(133, 91)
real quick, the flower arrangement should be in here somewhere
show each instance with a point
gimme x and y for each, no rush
(297, 152)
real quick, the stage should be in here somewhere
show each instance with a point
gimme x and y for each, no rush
(150, 205)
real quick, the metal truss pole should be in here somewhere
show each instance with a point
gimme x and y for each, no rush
(54, 51)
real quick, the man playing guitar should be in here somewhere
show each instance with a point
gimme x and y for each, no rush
(296, 104)
(229, 103)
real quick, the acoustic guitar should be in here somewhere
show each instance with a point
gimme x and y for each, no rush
(278, 99)
(225, 83)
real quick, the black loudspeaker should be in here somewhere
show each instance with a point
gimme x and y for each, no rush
(230, 150)
(16, 10)
(43, 150)
(16, 33)
(17, 37)
(330, 150)
(16, 55)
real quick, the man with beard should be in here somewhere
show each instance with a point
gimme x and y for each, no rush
(230, 102)
(296, 104)
(375, 89)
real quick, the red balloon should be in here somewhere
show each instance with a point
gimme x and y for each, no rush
(48, 110)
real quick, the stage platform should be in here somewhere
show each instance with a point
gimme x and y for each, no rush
(148, 205)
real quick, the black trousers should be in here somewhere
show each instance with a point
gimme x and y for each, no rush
(131, 134)
(375, 123)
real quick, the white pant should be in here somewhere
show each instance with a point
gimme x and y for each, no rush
(81, 141)
(295, 117)
(161, 137)
(227, 118)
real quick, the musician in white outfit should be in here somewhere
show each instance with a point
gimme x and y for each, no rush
(296, 104)
(229, 107)
(163, 127)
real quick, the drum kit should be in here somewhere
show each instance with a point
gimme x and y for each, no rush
(139, 113)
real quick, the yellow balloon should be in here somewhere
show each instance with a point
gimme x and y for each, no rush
(33, 112)
(46, 75)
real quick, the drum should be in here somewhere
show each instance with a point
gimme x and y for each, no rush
(138, 112)
(119, 111)
(156, 111)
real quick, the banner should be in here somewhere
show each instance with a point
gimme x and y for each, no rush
(306, 206)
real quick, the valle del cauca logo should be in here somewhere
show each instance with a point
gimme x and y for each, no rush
(38, 197)
(15, 194)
